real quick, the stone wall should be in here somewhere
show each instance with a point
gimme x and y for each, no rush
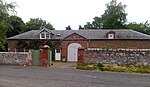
(117, 56)
(14, 58)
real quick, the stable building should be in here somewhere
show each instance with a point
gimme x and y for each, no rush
(71, 40)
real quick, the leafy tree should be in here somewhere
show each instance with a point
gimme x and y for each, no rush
(81, 28)
(114, 16)
(68, 27)
(97, 23)
(5, 26)
(36, 23)
(140, 27)
(17, 24)
(88, 26)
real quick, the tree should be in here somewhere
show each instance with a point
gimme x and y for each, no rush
(17, 24)
(36, 23)
(81, 28)
(68, 28)
(96, 24)
(114, 16)
(140, 27)
(5, 8)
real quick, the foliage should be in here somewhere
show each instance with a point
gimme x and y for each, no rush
(112, 68)
(96, 24)
(107, 46)
(128, 68)
(36, 23)
(100, 66)
(36, 44)
(53, 44)
(114, 17)
(139, 69)
(17, 25)
(5, 26)
(87, 66)
(5, 8)
(140, 27)
(68, 27)
(88, 26)
(80, 27)
(53, 54)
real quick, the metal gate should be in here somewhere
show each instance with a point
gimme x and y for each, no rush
(35, 57)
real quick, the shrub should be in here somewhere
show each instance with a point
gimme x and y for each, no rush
(100, 66)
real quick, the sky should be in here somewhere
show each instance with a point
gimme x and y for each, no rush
(61, 13)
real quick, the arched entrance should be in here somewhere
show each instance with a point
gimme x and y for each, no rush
(73, 51)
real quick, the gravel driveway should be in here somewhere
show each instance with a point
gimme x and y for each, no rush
(31, 76)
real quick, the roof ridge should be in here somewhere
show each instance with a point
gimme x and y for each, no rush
(91, 29)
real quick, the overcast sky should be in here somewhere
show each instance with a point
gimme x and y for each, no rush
(61, 13)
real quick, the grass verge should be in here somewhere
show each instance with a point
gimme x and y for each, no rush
(112, 68)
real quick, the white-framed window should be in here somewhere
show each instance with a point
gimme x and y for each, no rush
(57, 50)
(110, 36)
(47, 36)
(44, 35)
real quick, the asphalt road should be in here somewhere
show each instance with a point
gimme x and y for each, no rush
(16, 76)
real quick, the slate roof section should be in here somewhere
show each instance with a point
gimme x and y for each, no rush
(89, 34)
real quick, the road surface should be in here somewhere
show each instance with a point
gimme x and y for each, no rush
(31, 76)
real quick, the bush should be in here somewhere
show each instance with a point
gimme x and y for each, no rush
(100, 66)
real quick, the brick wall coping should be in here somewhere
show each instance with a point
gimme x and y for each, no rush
(100, 49)
(16, 52)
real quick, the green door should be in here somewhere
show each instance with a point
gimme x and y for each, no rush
(35, 57)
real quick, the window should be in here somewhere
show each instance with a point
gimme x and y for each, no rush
(110, 36)
(57, 50)
(43, 36)
(47, 36)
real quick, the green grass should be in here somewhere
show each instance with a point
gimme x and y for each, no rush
(107, 67)
(87, 66)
